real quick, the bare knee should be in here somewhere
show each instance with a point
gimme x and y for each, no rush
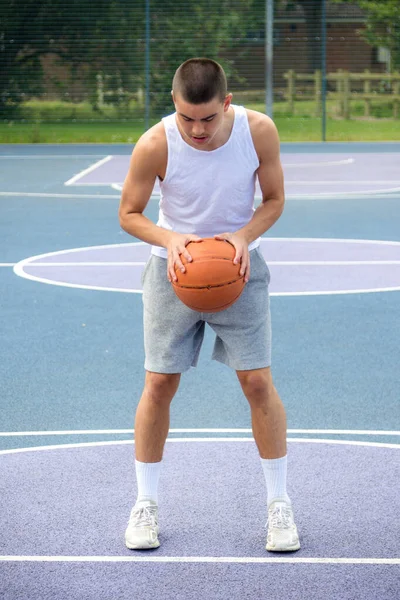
(257, 386)
(160, 388)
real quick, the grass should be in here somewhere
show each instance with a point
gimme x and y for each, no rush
(62, 122)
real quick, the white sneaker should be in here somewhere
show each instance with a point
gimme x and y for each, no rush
(142, 530)
(282, 532)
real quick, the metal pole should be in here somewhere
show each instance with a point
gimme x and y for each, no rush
(323, 69)
(269, 52)
(147, 69)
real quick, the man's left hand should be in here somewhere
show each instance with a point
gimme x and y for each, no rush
(242, 255)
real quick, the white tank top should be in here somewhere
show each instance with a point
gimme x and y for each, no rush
(208, 192)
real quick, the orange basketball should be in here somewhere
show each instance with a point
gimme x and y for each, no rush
(211, 281)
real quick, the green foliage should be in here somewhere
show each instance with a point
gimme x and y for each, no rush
(102, 35)
(198, 30)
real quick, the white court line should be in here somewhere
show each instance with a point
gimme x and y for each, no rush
(205, 559)
(47, 195)
(341, 182)
(198, 440)
(40, 156)
(7, 264)
(19, 267)
(90, 264)
(332, 163)
(90, 169)
(281, 263)
(198, 430)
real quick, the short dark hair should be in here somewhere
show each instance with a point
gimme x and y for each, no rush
(200, 80)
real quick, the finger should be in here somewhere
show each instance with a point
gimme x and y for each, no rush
(171, 272)
(179, 264)
(187, 255)
(238, 258)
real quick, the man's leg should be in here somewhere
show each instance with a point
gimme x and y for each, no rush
(151, 430)
(268, 419)
(152, 415)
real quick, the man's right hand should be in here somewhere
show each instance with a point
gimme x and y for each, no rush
(176, 247)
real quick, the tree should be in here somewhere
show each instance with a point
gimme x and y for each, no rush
(383, 25)
(101, 35)
(179, 32)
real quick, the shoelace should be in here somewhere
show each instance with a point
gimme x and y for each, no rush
(143, 516)
(280, 518)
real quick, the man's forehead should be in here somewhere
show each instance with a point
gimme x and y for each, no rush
(197, 111)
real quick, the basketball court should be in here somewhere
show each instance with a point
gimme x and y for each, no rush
(72, 366)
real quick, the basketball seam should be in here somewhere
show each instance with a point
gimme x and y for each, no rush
(206, 287)
(218, 307)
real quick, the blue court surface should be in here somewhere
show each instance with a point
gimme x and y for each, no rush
(72, 374)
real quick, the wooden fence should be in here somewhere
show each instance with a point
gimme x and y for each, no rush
(343, 93)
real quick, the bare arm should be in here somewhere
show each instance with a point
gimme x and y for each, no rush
(148, 161)
(270, 176)
(145, 166)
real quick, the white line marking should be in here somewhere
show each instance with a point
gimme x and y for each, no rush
(40, 156)
(41, 195)
(19, 267)
(198, 441)
(90, 169)
(281, 263)
(339, 195)
(332, 163)
(205, 559)
(198, 430)
(89, 264)
(342, 182)
(7, 264)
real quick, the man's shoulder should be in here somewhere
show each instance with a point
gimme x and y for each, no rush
(263, 131)
(152, 147)
(258, 120)
(153, 139)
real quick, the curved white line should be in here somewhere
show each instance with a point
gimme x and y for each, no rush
(375, 432)
(19, 267)
(198, 441)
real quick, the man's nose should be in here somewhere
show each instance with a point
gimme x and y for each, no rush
(197, 129)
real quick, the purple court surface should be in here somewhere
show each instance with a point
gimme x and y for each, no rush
(306, 175)
(298, 266)
(72, 374)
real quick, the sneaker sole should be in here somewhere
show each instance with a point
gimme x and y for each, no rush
(292, 548)
(142, 547)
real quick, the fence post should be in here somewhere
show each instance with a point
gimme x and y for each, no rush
(396, 92)
(100, 90)
(367, 90)
(339, 90)
(346, 94)
(318, 92)
(291, 79)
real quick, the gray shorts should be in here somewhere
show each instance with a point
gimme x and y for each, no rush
(173, 333)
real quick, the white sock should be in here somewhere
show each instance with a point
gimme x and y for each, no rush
(147, 477)
(275, 471)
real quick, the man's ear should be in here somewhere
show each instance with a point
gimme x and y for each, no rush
(227, 102)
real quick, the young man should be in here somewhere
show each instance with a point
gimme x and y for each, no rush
(206, 156)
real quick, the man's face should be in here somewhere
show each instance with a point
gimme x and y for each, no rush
(200, 123)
